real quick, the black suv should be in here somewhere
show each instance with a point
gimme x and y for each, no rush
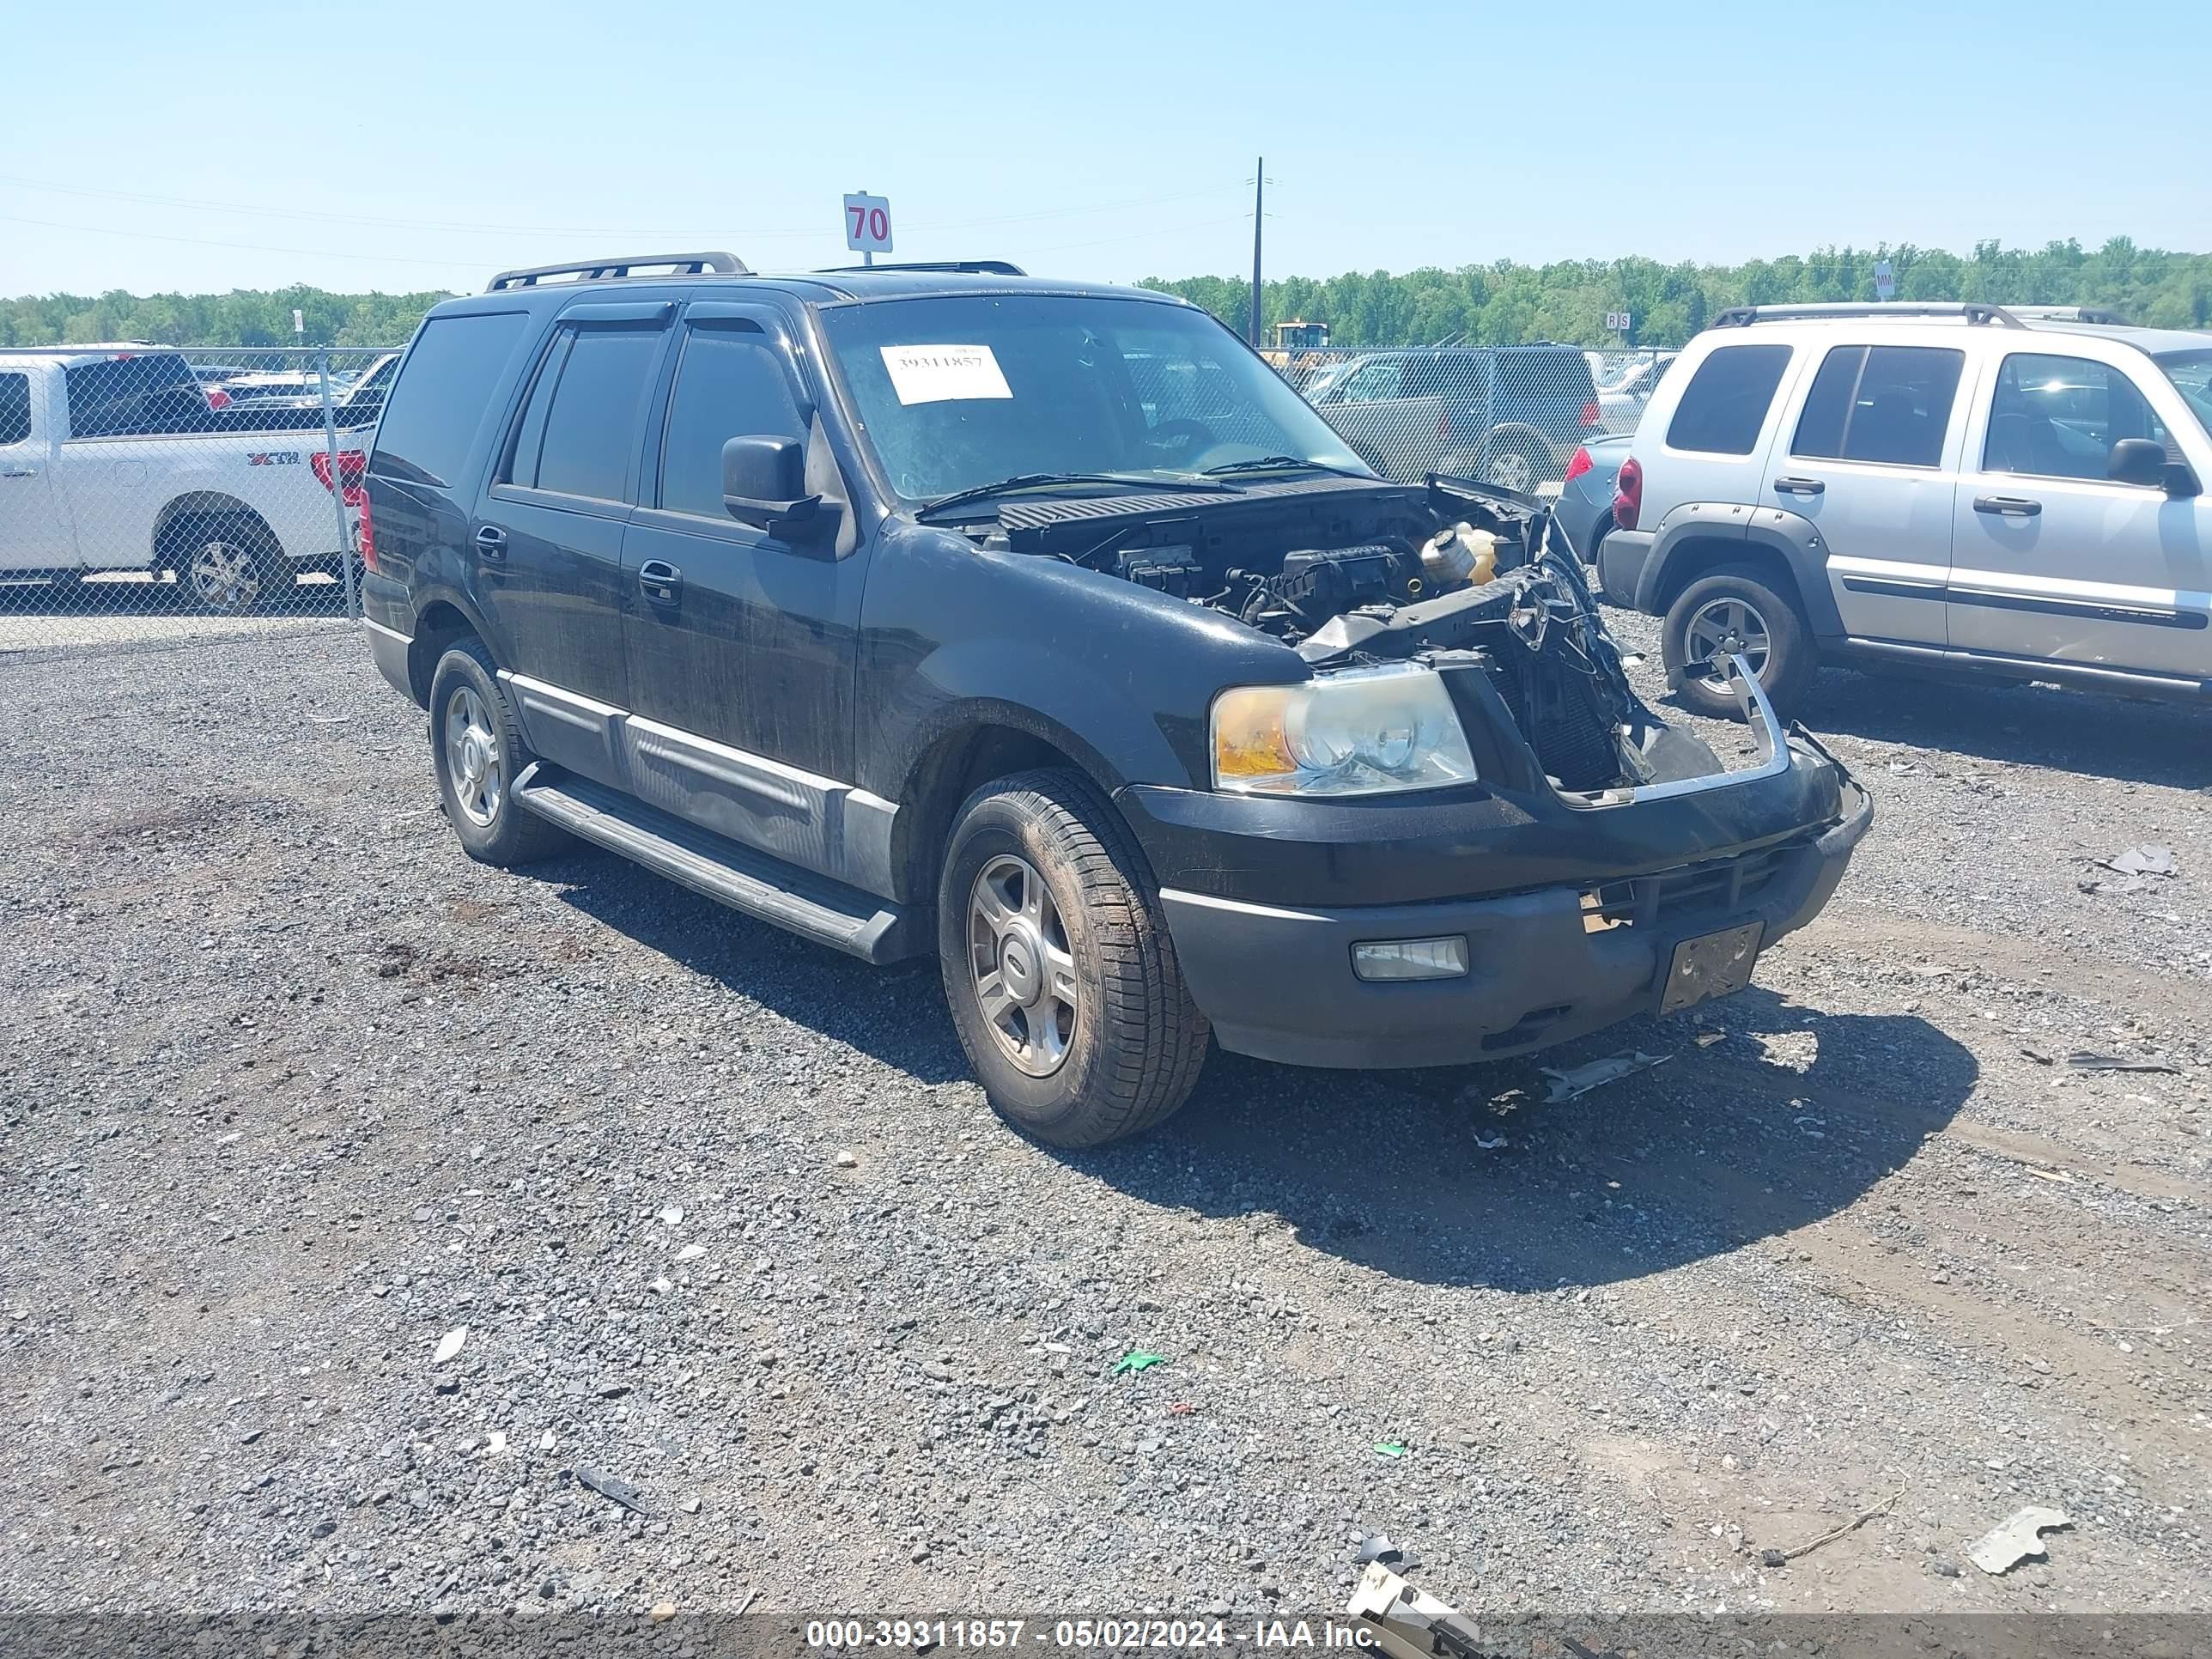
(1040, 625)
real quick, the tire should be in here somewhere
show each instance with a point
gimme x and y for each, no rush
(1120, 1050)
(1515, 461)
(226, 565)
(1738, 598)
(473, 739)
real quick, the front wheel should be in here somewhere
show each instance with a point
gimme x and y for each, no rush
(1733, 612)
(1058, 967)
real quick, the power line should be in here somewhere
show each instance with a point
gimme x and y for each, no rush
(449, 226)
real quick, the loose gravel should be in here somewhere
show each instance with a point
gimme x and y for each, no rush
(747, 1295)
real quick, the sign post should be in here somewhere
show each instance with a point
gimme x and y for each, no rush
(868, 225)
(1884, 281)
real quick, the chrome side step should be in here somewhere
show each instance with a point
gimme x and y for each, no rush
(814, 907)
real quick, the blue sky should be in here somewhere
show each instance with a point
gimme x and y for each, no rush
(401, 146)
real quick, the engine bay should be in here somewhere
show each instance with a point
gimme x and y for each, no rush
(1465, 579)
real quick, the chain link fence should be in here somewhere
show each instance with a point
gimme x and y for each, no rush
(153, 493)
(1505, 414)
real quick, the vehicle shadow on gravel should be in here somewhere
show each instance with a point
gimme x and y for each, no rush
(1403, 1173)
(1791, 1118)
(2134, 742)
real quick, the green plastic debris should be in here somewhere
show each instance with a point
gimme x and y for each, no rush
(1138, 1361)
(1390, 1449)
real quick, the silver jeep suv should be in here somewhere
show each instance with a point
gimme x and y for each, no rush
(2011, 492)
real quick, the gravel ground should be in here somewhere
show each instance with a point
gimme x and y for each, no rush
(294, 1090)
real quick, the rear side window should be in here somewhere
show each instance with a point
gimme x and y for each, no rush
(590, 423)
(440, 397)
(729, 384)
(15, 408)
(1886, 404)
(124, 397)
(1725, 403)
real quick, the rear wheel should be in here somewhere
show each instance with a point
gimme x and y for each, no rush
(1058, 968)
(1734, 611)
(1515, 460)
(477, 751)
(227, 566)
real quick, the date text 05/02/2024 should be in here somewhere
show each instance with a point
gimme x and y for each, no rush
(1131, 1634)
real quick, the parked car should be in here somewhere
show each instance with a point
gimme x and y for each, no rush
(1503, 414)
(215, 500)
(1584, 511)
(889, 607)
(1621, 399)
(2014, 494)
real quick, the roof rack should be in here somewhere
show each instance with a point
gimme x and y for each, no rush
(596, 270)
(2070, 315)
(978, 267)
(1972, 310)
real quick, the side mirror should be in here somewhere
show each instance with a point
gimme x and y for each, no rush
(764, 483)
(2136, 461)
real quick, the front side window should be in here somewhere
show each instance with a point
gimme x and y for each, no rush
(581, 442)
(957, 391)
(1890, 404)
(730, 384)
(1725, 404)
(2058, 417)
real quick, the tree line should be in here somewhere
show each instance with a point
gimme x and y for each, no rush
(1501, 303)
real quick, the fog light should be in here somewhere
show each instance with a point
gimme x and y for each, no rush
(1411, 958)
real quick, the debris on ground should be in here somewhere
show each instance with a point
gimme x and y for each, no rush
(449, 1345)
(1137, 1360)
(1390, 1449)
(1708, 1037)
(2038, 1056)
(1379, 1547)
(662, 1612)
(612, 1488)
(2151, 859)
(1782, 1558)
(1491, 1143)
(2006, 1546)
(849, 1159)
(2087, 1059)
(1578, 1080)
(691, 1253)
(671, 1216)
(1406, 1623)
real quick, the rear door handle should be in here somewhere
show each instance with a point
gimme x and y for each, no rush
(2008, 506)
(492, 542)
(1798, 486)
(20, 472)
(660, 581)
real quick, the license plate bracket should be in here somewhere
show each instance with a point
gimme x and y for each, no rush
(1716, 964)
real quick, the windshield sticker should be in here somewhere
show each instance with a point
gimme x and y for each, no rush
(943, 373)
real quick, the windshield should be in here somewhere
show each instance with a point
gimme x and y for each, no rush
(2191, 374)
(955, 393)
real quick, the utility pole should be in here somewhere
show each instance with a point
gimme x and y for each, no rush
(1259, 217)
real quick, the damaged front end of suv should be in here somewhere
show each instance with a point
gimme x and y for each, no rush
(1453, 830)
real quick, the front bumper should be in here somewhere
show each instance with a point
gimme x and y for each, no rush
(1576, 908)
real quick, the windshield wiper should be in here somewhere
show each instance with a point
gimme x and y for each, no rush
(1280, 463)
(1041, 480)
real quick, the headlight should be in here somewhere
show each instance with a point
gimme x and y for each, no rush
(1362, 732)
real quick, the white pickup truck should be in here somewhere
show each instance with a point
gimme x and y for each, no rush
(112, 459)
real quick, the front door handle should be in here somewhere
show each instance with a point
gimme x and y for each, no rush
(492, 542)
(1798, 486)
(20, 472)
(2008, 506)
(660, 581)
